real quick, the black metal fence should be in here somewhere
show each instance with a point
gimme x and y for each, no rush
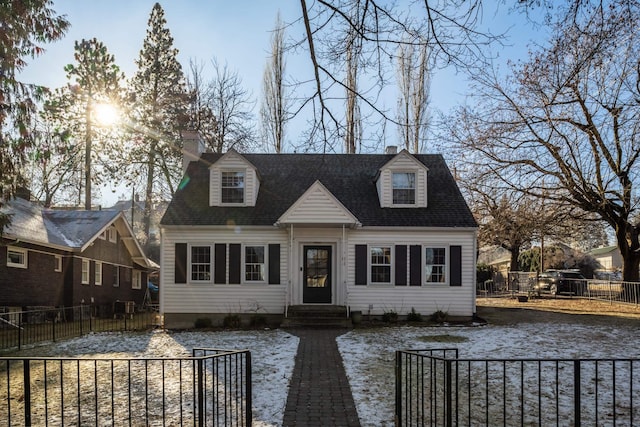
(21, 328)
(436, 388)
(603, 290)
(212, 388)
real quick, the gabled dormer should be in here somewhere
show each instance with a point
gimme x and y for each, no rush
(402, 182)
(233, 181)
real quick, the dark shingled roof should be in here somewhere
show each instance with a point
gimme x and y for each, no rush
(349, 177)
(71, 229)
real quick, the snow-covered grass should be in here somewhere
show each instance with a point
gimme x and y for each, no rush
(368, 354)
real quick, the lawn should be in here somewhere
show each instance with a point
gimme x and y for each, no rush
(368, 354)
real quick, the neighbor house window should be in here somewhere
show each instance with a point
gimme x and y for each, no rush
(404, 188)
(116, 276)
(16, 257)
(380, 264)
(113, 235)
(233, 187)
(98, 273)
(57, 263)
(254, 266)
(435, 265)
(85, 271)
(201, 263)
(136, 282)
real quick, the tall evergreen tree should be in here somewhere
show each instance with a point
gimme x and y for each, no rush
(158, 112)
(94, 79)
(274, 103)
(24, 26)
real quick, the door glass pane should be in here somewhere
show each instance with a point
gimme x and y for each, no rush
(317, 268)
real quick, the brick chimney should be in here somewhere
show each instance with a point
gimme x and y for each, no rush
(192, 147)
(391, 149)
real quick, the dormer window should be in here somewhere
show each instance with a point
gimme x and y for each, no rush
(404, 188)
(233, 187)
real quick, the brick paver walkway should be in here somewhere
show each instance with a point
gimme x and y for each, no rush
(319, 393)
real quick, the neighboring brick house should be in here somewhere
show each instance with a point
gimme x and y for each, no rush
(64, 258)
(250, 233)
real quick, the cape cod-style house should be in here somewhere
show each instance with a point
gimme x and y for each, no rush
(65, 258)
(260, 233)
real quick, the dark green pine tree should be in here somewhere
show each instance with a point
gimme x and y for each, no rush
(159, 97)
(24, 27)
(94, 79)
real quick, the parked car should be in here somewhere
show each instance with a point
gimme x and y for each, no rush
(560, 282)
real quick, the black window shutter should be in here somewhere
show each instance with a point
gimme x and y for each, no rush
(235, 263)
(180, 267)
(415, 265)
(220, 266)
(361, 264)
(401, 265)
(455, 257)
(274, 264)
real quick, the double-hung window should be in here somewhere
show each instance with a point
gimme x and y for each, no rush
(201, 263)
(16, 257)
(232, 187)
(404, 188)
(98, 273)
(380, 261)
(85, 271)
(136, 281)
(435, 265)
(254, 264)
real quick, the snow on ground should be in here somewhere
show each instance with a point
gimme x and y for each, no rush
(368, 354)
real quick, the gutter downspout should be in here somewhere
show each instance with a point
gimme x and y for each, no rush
(344, 270)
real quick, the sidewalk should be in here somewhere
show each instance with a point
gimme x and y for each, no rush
(319, 392)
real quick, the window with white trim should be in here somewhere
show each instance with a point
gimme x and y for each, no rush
(380, 261)
(201, 263)
(17, 257)
(136, 281)
(254, 264)
(85, 271)
(113, 234)
(404, 188)
(57, 263)
(98, 274)
(435, 263)
(232, 187)
(116, 276)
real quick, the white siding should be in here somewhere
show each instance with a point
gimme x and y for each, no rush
(426, 299)
(402, 163)
(220, 298)
(272, 299)
(317, 206)
(233, 162)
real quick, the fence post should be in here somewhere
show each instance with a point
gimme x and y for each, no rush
(448, 379)
(576, 393)
(200, 392)
(27, 391)
(20, 330)
(398, 388)
(249, 391)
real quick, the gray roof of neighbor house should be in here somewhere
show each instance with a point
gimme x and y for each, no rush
(349, 177)
(71, 229)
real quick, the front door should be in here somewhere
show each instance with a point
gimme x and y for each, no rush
(317, 275)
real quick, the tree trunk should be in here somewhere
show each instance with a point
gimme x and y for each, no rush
(629, 245)
(146, 217)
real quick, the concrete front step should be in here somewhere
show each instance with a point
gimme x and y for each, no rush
(317, 316)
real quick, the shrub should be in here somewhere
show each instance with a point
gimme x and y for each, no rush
(231, 321)
(390, 316)
(439, 316)
(258, 321)
(203, 323)
(414, 316)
